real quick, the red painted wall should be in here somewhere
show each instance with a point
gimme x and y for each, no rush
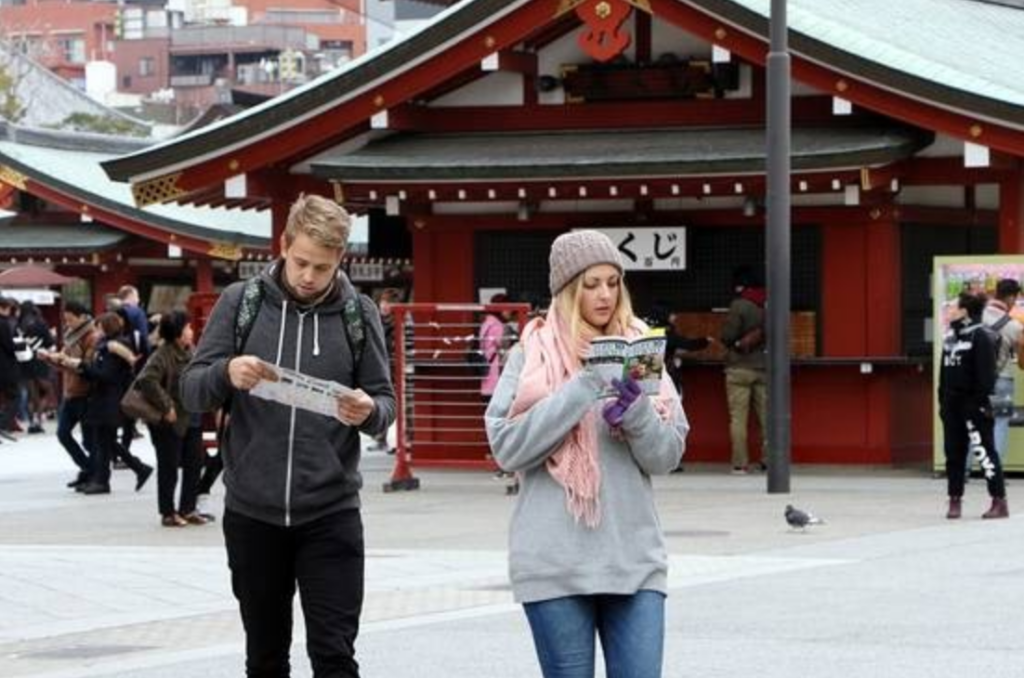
(840, 415)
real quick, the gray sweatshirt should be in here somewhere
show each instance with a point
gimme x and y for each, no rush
(283, 465)
(550, 554)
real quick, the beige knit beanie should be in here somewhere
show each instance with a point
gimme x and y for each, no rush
(576, 251)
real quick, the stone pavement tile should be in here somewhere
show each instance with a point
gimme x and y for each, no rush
(886, 588)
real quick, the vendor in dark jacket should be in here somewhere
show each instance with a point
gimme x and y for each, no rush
(746, 379)
(292, 476)
(178, 437)
(966, 378)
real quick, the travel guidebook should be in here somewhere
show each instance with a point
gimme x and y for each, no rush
(642, 358)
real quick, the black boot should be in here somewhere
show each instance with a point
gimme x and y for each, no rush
(999, 509)
(954, 508)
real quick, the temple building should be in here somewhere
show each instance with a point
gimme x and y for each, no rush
(503, 123)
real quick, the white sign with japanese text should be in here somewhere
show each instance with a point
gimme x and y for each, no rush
(250, 269)
(37, 297)
(650, 248)
(366, 271)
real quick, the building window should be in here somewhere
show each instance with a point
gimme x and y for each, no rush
(72, 49)
(146, 67)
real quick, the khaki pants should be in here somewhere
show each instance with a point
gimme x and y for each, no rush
(741, 386)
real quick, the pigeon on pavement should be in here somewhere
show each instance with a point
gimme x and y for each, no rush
(801, 519)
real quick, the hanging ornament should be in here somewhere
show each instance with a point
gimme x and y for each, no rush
(603, 36)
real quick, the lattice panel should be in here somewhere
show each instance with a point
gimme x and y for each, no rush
(157, 191)
(13, 177)
(515, 260)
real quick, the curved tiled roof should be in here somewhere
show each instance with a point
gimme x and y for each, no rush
(70, 163)
(961, 53)
(957, 54)
(622, 153)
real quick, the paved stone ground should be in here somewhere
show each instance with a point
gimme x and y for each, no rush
(94, 587)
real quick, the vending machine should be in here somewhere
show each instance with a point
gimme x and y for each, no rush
(952, 275)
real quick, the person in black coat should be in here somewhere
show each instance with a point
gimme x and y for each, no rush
(110, 373)
(966, 379)
(8, 370)
(35, 374)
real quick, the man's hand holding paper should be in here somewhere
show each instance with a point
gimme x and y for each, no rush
(354, 407)
(247, 371)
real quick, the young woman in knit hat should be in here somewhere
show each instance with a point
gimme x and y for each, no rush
(587, 555)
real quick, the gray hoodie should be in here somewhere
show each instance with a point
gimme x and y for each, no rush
(550, 554)
(283, 465)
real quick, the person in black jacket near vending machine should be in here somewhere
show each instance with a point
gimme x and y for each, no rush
(966, 378)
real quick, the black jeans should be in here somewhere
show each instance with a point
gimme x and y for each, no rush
(173, 451)
(105, 436)
(9, 396)
(211, 469)
(70, 415)
(326, 559)
(967, 427)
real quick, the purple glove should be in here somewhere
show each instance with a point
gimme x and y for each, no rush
(629, 390)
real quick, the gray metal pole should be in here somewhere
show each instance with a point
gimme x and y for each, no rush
(778, 249)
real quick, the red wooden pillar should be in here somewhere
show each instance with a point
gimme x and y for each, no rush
(882, 331)
(279, 219)
(204, 275)
(882, 286)
(444, 261)
(425, 273)
(844, 283)
(1011, 212)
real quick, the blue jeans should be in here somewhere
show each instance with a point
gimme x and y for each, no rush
(1004, 391)
(632, 631)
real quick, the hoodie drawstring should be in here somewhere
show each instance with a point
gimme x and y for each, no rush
(280, 336)
(316, 334)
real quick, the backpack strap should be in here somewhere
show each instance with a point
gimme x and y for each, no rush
(252, 299)
(355, 327)
(248, 309)
(1001, 323)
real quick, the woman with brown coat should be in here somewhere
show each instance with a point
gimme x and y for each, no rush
(177, 437)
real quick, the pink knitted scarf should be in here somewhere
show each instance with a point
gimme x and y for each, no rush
(552, 357)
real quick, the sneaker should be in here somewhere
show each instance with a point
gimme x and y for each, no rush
(740, 470)
(36, 428)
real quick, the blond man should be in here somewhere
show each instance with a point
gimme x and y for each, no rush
(292, 516)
